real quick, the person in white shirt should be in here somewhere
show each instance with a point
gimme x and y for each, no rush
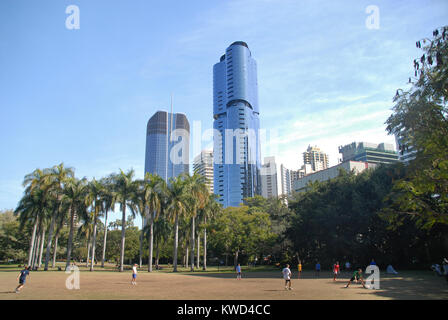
(134, 274)
(287, 276)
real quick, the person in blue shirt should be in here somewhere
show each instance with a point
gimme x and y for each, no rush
(22, 278)
(238, 272)
(318, 269)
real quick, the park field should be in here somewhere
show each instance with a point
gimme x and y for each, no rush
(258, 284)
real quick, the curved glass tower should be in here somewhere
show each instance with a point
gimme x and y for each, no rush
(167, 144)
(236, 139)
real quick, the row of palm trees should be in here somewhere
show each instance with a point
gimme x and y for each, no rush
(54, 197)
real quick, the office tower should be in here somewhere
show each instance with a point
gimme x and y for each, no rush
(236, 139)
(285, 181)
(316, 158)
(369, 152)
(167, 144)
(203, 165)
(301, 184)
(270, 180)
(305, 170)
(406, 153)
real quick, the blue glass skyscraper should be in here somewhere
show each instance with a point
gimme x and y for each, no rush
(236, 152)
(167, 144)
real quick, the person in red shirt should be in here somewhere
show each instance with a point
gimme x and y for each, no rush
(335, 270)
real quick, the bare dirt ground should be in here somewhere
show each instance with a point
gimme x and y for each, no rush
(217, 286)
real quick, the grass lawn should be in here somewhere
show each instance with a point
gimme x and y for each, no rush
(261, 283)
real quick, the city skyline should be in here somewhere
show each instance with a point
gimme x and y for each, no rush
(52, 96)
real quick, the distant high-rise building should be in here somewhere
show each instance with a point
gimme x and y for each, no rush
(203, 165)
(167, 144)
(405, 153)
(300, 185)
(236, 140)
(305, 170)
(285, 181)
(316, 158)
(269, 178)
(369, 152)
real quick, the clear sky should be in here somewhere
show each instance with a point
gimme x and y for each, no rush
(83, 97)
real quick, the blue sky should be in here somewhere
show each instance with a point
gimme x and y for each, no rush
(83, 97)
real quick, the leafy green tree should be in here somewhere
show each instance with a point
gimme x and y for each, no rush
(11, 238)
(239, 230)
(280, 217)
(420, 121)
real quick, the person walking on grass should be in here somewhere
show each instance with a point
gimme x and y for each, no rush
(299, 267)
(134, 274)
(357, 275)
(287, 277)
(318, 269)
(238, 272)
(335, 270)
(22, 278)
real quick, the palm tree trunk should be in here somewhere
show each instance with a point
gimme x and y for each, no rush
(88, 252)
(50, 236)
(123, 236)
(104, 241)
(176, 239)
(198, 252)
(93, 245)
(70, 238)
(55, 251)
(186, 255)
(41, 250)
(141, 244)
(32, 242)
(157, 254)
(151, 241)
(204, 266)
(192, 244)
(36, 250)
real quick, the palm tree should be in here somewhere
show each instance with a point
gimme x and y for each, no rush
(75, 193)
(212, 208)
(125, 187)
(162, 229)
(148, 200)
(61, 219)
(197, 199)
(155, 196)
(176, 206)
(86, 231)
(95, 194)
(109, 198)
(57, 177)
(32, 207)
(138, 208)
(28, 210)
